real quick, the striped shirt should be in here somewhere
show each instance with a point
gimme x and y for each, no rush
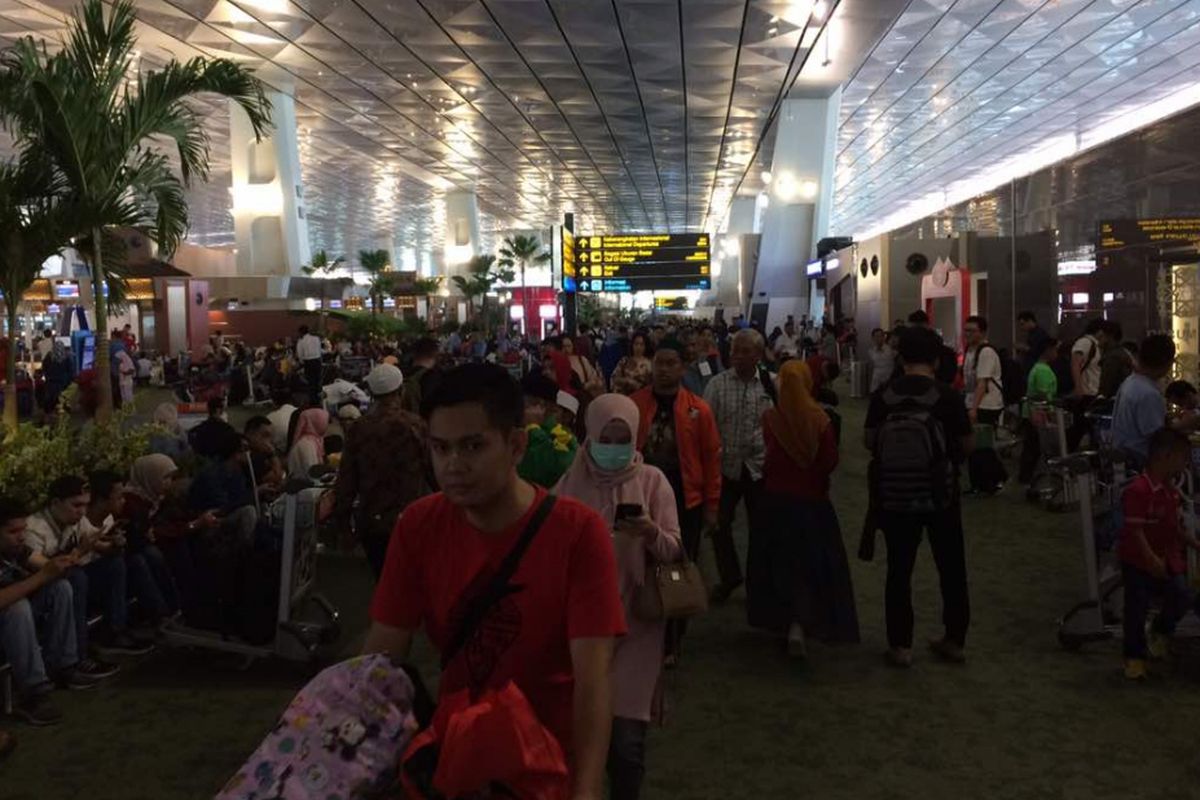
(738, 406)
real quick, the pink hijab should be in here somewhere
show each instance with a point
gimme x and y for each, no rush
(603, 491)
(313, 423)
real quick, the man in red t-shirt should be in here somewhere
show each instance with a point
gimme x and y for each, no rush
(1152, 550)
(553, 637)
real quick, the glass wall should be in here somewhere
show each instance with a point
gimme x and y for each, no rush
(1053, 216)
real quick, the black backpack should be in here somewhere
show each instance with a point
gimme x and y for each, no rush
(1012, 377)
(947, 368)
(911, 470)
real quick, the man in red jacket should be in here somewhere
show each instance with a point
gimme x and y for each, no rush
(678, 434)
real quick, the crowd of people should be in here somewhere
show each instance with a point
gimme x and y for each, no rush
(577, 471)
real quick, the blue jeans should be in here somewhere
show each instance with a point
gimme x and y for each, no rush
(1140, 588)
(49, 610)
(102, 581)
(150, 580)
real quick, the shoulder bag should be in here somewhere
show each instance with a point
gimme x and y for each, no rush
(673, 590)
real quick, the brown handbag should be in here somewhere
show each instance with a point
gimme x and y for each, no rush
(674, 590)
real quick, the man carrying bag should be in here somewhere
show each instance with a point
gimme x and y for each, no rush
(517, 593)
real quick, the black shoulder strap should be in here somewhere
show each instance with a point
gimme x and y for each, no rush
(768, 385)
(498, 586)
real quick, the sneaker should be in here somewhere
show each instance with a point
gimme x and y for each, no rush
(1157, 645)
(122, 644)
(721, 592)
(37, 710)
(96, 669)
(1135, 669)
(899, 657)
(948, 651)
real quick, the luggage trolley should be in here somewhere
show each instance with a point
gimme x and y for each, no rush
(1086, 622)
(1053, 483)
(297, 638)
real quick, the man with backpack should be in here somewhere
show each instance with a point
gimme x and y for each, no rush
(919, 434)
(946, 369)
(983, 384)
(1085, 378)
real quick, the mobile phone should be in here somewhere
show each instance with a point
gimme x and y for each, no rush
(627, 511)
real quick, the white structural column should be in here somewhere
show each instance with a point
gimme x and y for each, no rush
(268, 200)
(736, 255)
(799, 204)
(462, 238)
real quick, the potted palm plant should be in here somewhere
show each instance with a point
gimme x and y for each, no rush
(101, 121)
(519, 252)
(380, 281)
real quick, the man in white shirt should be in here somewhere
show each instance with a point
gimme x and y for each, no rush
(738, 398)
(882, 359)
(787, 344)
(44, 344)
(984, 389)
(308, 353)
(1086, 355)
(99, 575)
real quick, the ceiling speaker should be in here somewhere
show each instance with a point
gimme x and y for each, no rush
(916, 264)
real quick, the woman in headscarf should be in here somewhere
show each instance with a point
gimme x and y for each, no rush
(58, 368)
(308, 449)
(169, 439)
(149, 479)
(608, 473)
(797, 577)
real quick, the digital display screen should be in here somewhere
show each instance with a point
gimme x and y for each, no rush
(335, 303)
(643, 262)
(1115, 234)
(568, 261)
(67, 291)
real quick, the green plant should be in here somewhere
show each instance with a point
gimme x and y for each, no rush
(587, 310)
(481, 276)
(323, 266)
(102, 122)
(424, 287)
(36, 220)
(521, 251)
(376, 263)
(34, 455)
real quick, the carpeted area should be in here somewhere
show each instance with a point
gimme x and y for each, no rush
(1023, 719)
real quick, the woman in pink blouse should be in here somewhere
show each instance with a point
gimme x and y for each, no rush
(608, 472)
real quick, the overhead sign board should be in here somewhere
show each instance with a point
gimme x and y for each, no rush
(1163, 231)
(643, 262)
(568, 261)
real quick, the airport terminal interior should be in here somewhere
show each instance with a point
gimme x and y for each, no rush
(581, 399)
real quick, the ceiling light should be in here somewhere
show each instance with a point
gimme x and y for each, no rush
(766, 176)
(785, 187)
(808, 190)
(771, 31)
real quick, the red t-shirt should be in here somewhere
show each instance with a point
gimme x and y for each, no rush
(1155, 509)
(437, 560)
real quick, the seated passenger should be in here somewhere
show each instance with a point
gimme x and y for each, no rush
(148, 576)
(1140, 410)
(36, 604)
(169, 438)
(1182, 395)
(265, 464)
(1152, 551)
(221, 489)
(99, 577)
(204, 436)
(308, 449)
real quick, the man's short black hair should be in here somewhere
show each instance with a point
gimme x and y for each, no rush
(671, 343)
(303, 330)
(1180, 389)
(1027, 316)
(65, 487)
(1166, 441)
(10, 509)
(1046, 344)
(918, 317)
(555, 341)
(101, 482)
(489, 385)
(216, 405)
(541, 386)
(919, 346)
(1157, 352)
(980, 322)
(225, 442)
(1093, 327)
(1113, 330)
(254, 423)
(425, 347)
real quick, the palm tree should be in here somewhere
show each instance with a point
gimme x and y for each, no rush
(521, 250)
(479, 280)
(376, 263)
(91, 111)
(36, 221)
(424, 287)
(321, 264)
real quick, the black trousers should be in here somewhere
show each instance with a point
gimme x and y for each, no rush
(984, 467)
(903, 535)
(743, 489)
(626, 758)
(1031, 451)
(312, 376)
(1079, 424)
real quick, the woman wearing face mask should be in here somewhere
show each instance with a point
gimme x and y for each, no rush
(609, 473)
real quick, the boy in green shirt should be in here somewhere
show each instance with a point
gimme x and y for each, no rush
(552, 446)
(1042, 384)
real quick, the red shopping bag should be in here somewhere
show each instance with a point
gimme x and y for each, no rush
(494, 745)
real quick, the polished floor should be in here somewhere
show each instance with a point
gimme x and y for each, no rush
(1023, 719)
